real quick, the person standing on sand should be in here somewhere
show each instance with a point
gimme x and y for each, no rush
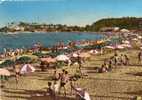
(126, 60)
(61, 75)
(17, 73)
(115, 60)
(64, 79)
(110, 65)
(79, 61)
(55, 76)
(50, 91)
(140, 57)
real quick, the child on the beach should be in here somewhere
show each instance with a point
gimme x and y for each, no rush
(50, 91)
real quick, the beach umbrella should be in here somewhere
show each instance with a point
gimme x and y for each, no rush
(109, 47)
(4, 72)
(53, 54)
(94, 51)
(135, 39)
(48, 59)
(27, 68)
(119, 47)
(39, 54)
(62, 58)
(124, 30)
(7, 63)
(85, 55)
(75, 55)
(139, 37)
(127, 45)
(140, 47)
(24, 59)
(125, 42)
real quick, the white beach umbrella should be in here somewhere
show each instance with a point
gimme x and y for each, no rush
(124, 30)
(119, 47)
(126, 45)
(4, 72)
(110, 47)
(62, 58)
(139, 37)
(94, 51)
(135, 39)
(48, 59)
(126, 42)
(85, 55)
(75, 55)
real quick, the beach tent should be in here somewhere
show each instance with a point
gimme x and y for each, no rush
(27, 68)
(62, 58)
(4, 72)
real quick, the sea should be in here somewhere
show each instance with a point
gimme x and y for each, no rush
(26, 40)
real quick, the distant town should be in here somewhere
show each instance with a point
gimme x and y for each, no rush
(104, 25)
(35, 27)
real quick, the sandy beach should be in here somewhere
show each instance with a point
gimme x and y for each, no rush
(122, 83)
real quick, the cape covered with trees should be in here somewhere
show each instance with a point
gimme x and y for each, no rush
(131, 23)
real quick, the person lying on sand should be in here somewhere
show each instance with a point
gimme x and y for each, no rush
(102, 69)
(81, 94)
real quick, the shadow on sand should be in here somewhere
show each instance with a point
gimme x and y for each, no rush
(135, 74)
(50, 98)
(131, 93)
(31, 95)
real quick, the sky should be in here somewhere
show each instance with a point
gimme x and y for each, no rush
(70, 12)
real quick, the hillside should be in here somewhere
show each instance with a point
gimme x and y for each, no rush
(131, 23)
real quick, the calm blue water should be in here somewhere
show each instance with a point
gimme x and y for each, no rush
(47, 39)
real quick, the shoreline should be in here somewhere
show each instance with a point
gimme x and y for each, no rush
(18, 32)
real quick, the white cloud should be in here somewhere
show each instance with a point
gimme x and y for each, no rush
(2, 1)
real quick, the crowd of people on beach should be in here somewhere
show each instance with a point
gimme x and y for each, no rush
(114, 62)
(60, 81)
(11, 52)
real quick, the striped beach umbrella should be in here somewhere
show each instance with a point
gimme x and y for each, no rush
(4, 72)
